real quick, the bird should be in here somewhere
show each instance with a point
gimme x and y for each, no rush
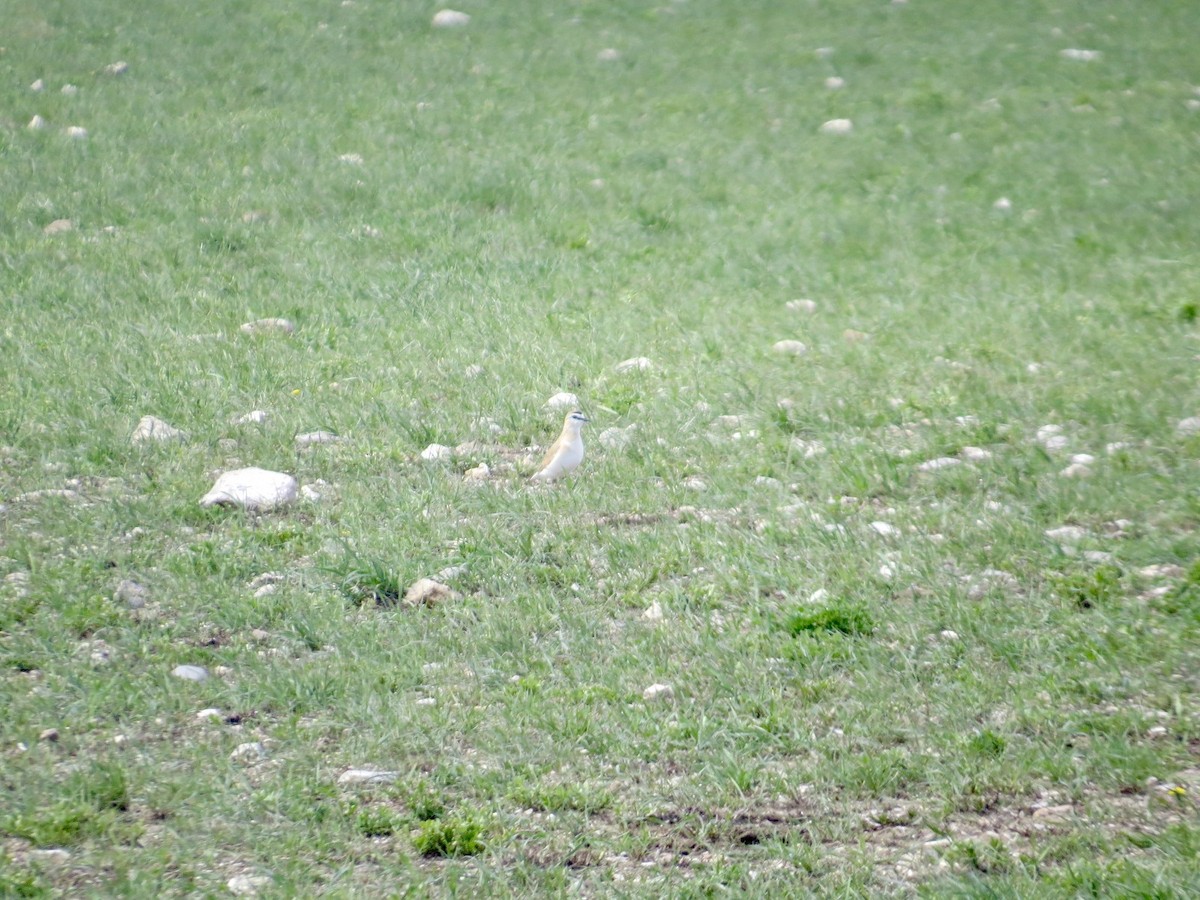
(566, 453)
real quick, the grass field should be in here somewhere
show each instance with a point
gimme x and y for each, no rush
(885, 677)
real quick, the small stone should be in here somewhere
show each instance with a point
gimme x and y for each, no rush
(59, 226)
(190, 673)
(450, 18)
(254, 489)
(428, 592)
(835, 83)
(767, 481)
(367, 776)
(480, 472)
(1190, 425)
(427, 701)
(132, 594)
(1078, 55)
(48, 493)
(263, 579)
(850, 336)
(608, 54)
(473, 371)
(653, 613)
(351, 159)
(310, 438)
(450, 573)
(49, 735)
(975, 454)
(1158, 732)
(804, 306)
(249, 753)
(808, 449)
(1161, 570)
(1047, 431)
(1067, 534)
(76, 133)
(1076, 470)
(837, 126)
(1116, 447)
(884, 529)
(634, 364)
(658, 692)
(151, 429)
(1083, 459)
(563, 400)
(267, 326)
(789, 348)
(266, 591)
(616, 438)
(69, 90)
(1056, 442)
(942, 462)
(1003, 205)
(1098, 556)
(37, 123)
(948, 635)
(1054, 813)
(55, 856)
(254, 417)
(695, 483)
(38, 86)
(211, 713)
(436, 453)
(120, 67)
(247, 885)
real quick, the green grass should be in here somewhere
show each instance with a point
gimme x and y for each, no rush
(524, 217)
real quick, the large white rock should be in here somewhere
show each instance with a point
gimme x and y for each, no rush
(450, 18)
(790, 348)
(563, 400)
(253, 489)
(837, 126)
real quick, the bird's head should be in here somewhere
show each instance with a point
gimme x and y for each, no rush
(575, 420)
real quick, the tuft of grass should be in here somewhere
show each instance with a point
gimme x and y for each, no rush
(449, 837)
(841, 618)
(1094, 588)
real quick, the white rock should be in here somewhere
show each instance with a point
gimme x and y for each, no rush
(820, 595)
(1098, 556)
(653, 613)
(975, 454)
(367, 776)
(835, 83)
(1076, 470)
(427, 701)
(55, 856)
(767, 481)
(1190, 425)
(942, 462)
(884, 529)
(473, 371)
(266, 326)
(211, 713)
(249, 753)
(634, 364)
(1045, 432)
(254, 489)
(37, 123)
(450, 573)
(804, 306)
(247, 885)
(1067, 534)
(428, 592)
(450, 18)
(310, 438)
(132, 594)
(790, 348)
(59, 226)
(1056, 442)
(76, 133)
(38, 86)
(120, 67)
(1077, 55)
(266, 591)
(1116, 447)
(480, 472)
(1003, 204)
(658, 692)
(436, 453)
(47, 493)
(837, 126)
(808, 449)
(608, 54)
(616, 438)
(1161, 570)
(948, 635)
(695, 483)
(190, 673)
(264, 578)
(254, 417)
(352, 159)
(1083, 459)
(151, 429)
(563, 400)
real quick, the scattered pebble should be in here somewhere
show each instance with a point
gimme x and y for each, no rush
(654, 612)
(37, 123)
(942, 462)
(254, 417)
(132, 594)
(473, 371)
(1067, 534)
(1157, 732)
(1076, 470)
(790, 348)
(1116, 447)
(1003, 204)
(695, 483)
(38, 86)
(635, 364)
(834, 83)
(1054, 813)
(1098, 556)
(1083, 459)
(427, 701)
(267, 326)
(265, 578)
(70, 90)
(804, 306)
(249, 753)
(1161, 570)
(266, 591)
(76, 133)
(247, 885)
(311, 438)
(254, 489)
(948, 635)
(450, 18)
(1190, 425)
(367, 776)
(1077, 55)
(808, 449)
(48, 493)
(837, 126)
(59, 226)
(49, 735)
(480, 472)
(1055, 442)
(120, 67)
(190, 673)
(563, 400)
(608, 54)
(428, 592)
(658, 692)
(436, 453)
(151, 429)
(975, 454)
(884, 529)
(211, 713)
